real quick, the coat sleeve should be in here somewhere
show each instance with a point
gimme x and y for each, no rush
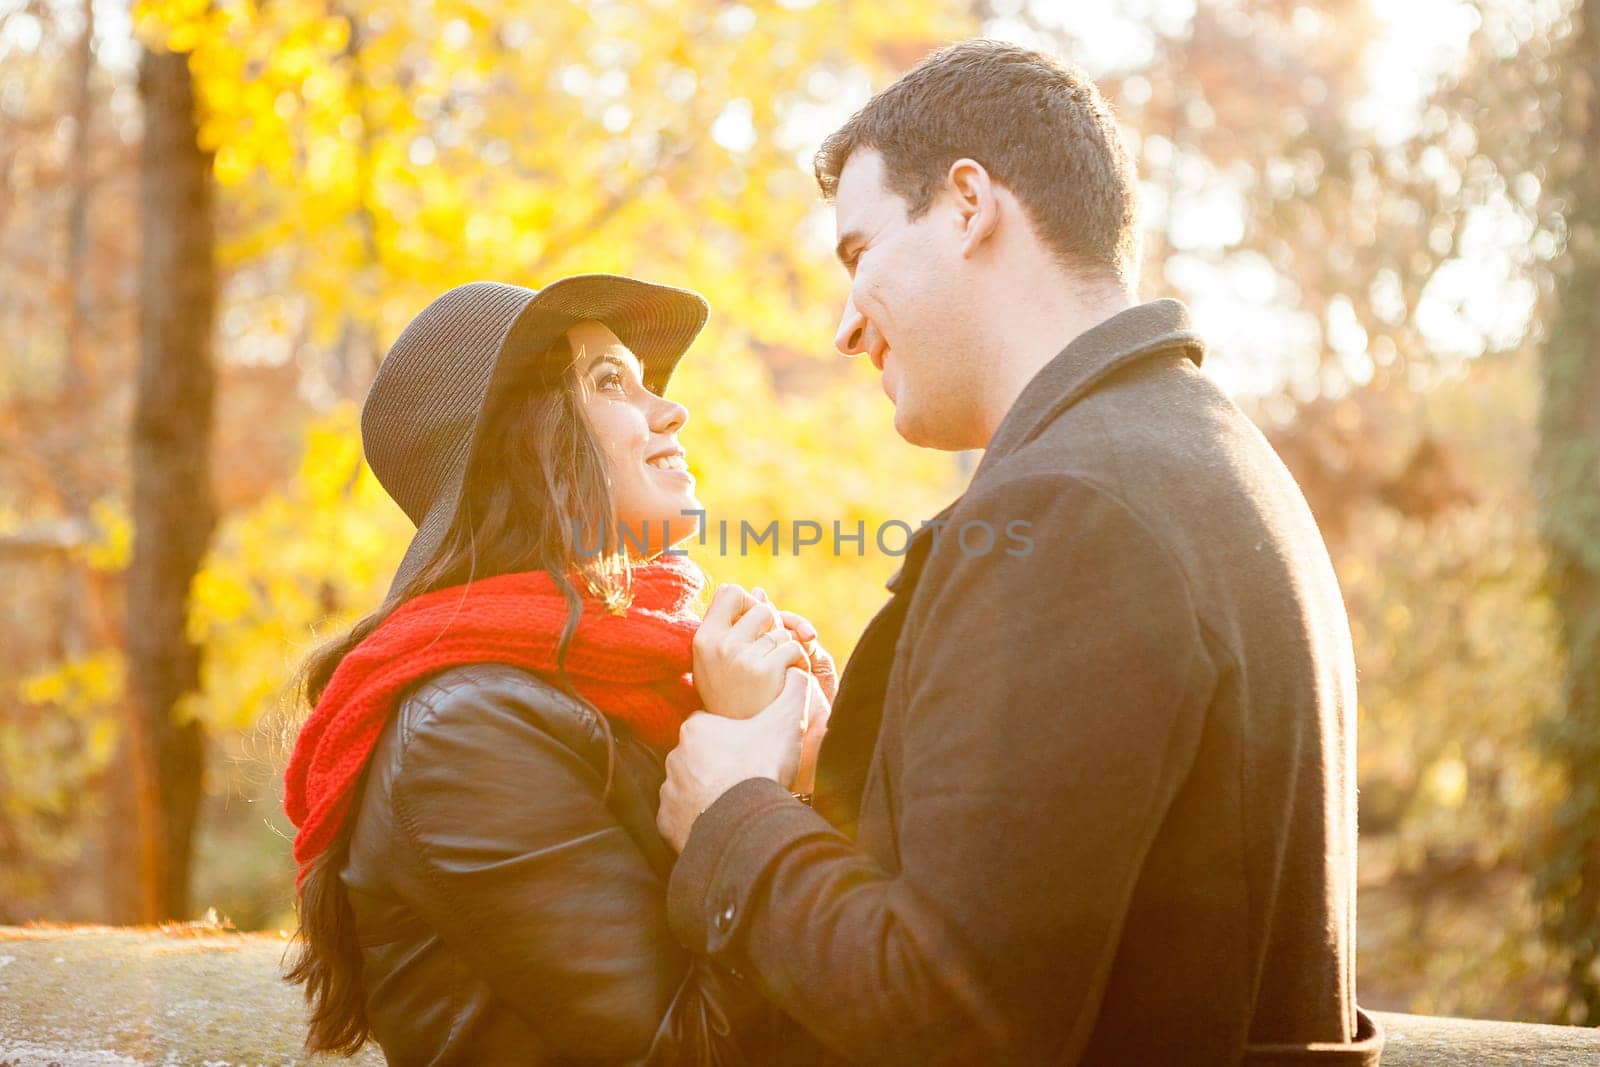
(518, 864)
(1052, 707)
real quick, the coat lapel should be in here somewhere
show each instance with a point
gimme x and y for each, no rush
(857, 715)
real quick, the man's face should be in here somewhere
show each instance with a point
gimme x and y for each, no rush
(907, 310)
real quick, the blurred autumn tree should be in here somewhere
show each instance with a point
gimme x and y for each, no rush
(1377, 282)
(68, 182)
(1570, 465)
(367, 157)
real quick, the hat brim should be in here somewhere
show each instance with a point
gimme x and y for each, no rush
(658, 323)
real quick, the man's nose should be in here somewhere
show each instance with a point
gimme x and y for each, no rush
(851, 338)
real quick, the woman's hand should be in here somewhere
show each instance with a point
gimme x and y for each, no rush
(741, 653)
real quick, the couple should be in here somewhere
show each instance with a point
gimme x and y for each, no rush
(1093, 803)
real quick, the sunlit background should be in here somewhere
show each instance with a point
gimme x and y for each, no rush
(1369, 207)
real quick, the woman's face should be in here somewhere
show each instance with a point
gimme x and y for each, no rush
(638, 432)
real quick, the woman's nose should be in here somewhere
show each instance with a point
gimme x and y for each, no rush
(670, 416)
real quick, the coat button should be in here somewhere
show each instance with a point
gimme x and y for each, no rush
(725, 919)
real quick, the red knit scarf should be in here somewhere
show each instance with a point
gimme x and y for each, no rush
(634, 666)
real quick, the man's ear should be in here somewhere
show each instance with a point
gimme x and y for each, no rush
(976, 202)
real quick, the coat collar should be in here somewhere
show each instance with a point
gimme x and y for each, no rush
(1141, 331)
(1126, 337)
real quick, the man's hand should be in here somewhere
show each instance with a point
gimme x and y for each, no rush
(827, 678)
(715, 753)
(821, 662)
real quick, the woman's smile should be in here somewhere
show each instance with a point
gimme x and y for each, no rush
(673, 464)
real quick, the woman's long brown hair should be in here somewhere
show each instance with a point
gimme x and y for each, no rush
(535, 483)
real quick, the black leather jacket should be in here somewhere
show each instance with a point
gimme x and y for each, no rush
(508, 912)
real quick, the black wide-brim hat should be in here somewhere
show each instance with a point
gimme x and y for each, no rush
(430, 398)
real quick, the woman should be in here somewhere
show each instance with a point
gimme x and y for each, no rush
(480, 876)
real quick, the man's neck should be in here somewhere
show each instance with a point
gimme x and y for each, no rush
(1040, 321)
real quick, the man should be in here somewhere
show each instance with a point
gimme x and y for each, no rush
(1092, 803)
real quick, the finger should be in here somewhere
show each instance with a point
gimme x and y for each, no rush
(768, 654)
(792, 701)
(753, 623)
(799, 624)
(786, 725)
(790, 653)
(819, 707)
(805, 683)
(760, 594)
(809, 644)
(815, 709)
(817, 713)
(727, 604)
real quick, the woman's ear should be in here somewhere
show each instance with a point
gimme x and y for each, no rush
(977, 205)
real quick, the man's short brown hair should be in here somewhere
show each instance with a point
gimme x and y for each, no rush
(1039, 127)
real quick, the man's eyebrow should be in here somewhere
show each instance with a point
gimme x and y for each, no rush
(853, 237)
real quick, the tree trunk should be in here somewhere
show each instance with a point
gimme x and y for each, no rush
(173, 510)
(1570, 522)
(77, 375)
(80, 386)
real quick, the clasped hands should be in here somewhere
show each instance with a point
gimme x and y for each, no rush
(767, 686)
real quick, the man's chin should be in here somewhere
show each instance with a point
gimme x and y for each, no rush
(915, 428)
(906, 425)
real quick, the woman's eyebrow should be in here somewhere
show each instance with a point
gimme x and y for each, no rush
(615, 361)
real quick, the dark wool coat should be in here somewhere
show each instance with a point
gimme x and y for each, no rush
(1089, 802)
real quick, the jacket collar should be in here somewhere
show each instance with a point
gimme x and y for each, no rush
(1126, 337)
(1149, 329)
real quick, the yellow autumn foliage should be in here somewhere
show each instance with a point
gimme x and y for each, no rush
(379, 155)
(60, 732)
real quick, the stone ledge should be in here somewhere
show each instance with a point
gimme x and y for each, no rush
(99, 996)
(1433, 1041)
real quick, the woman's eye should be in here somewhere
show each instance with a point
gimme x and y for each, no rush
(610, 380)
